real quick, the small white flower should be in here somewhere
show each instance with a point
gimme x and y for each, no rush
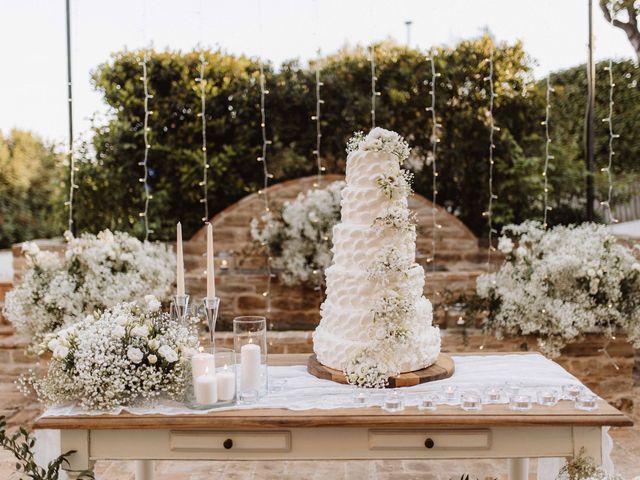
(521, 252)
(168, 353)
(591, 272)
(152, 359)
(135, 354)
(140, 331)
(635, 266)
(119, 331)
(153, 344)
(60, 353)
(30, 249)
(505, 245)
(53, 344)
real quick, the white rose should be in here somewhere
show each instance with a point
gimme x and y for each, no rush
(53, 344)
(168, 353)
(60, 353)
(119, 331)
(134, 354)
(505, 245)
(140, 331)
(30, 248)
(153, 304)
(152, 359)
(521, 252)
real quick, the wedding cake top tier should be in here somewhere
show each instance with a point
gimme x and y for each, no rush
(375, 321)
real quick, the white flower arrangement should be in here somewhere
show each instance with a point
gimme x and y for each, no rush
(371, 367)
(131, 353)
(561, 283)
(389, 266)
(97, 272)
(397, 217)
(395, 185)
(380, 140)
(299, 240)
(390, 314)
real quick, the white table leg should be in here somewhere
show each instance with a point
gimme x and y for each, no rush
(144, 469)
(518, 469)
(79, 463)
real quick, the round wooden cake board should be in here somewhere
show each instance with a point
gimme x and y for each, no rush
(443, 368)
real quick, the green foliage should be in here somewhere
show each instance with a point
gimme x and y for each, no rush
(111, 195)
(31, 204)
(22, 445)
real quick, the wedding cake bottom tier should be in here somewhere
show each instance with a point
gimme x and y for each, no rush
(420, 350)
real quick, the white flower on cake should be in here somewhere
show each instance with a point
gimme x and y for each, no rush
(97, 271)
(396, 217)
(375, 322)
(99, 368)
(380, 140)
(561, 283)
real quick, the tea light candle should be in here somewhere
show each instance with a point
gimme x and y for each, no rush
(250, 367)
(548, 398)
(428, 402)
(393, 402)
(470, 402)
(360, 398)
(206, 389)
(572, 391)
(226, 384)
(586, 402)
(520, 403)
(449, 393)
(201, 363)
(494, 395)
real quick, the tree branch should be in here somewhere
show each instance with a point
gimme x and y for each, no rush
(630, 27)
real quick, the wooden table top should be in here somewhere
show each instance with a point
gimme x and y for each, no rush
(563, 414)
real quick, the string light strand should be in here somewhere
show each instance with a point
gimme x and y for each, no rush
(374, 79)
(147, 146)
(267, 176)
(492, 129)
(547, 154)
(317, 152)
(203, 115)
(434, 156)
(606, 204)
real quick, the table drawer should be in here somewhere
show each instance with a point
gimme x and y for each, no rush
(238, 441)
(476, 439)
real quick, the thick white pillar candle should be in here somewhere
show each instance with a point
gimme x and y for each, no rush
(250, 367)
(201, 363)
(179, 262)
(226, 384)
(206, 389)
(211, 274)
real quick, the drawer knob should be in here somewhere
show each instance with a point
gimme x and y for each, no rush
(228, 443)
(429, 443)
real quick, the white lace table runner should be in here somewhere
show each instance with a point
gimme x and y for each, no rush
(300, 390)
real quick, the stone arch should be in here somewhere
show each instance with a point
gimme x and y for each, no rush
(241, 286)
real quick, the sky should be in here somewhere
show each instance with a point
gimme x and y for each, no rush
(33, 39)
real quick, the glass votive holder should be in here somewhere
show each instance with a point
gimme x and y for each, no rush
(548, 397)
(586, 402)
(520, 403)
(493, 395)
(450, 394)
(471, 402)
(428, 402)
(572, 391)
(513, 388)
(360, 396)
(393, 402)
(250, 345)
(213, 379)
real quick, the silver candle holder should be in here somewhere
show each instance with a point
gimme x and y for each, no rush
(211, 306)
(181, 307)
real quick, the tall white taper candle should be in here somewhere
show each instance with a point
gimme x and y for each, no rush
(211, 274)
(179, 262)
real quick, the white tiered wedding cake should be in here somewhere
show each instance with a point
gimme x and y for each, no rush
(375, 321)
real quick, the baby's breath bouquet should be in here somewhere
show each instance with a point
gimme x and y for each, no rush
(130, 354)
(560, 283)
(96, 272)
(299, 240)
